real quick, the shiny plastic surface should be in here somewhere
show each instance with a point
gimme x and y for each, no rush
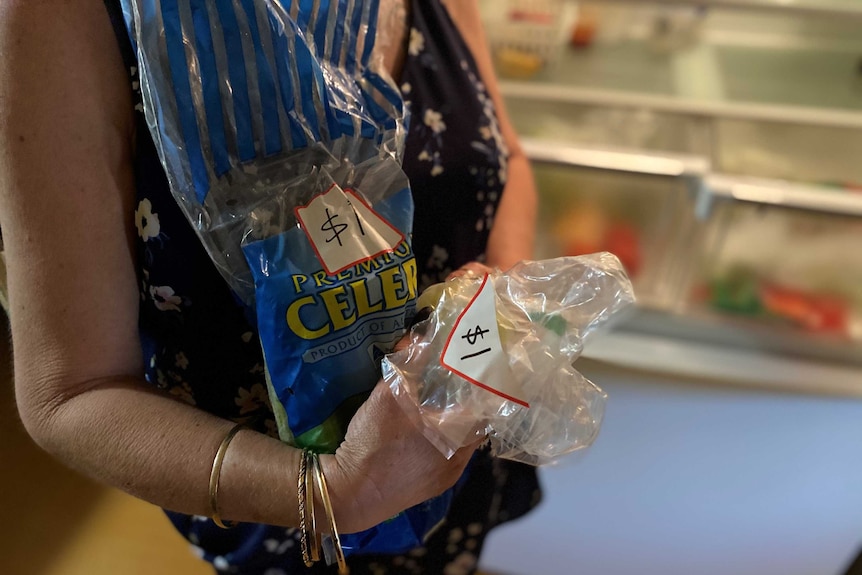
(249, 102)
(544, 311)
(281, 135)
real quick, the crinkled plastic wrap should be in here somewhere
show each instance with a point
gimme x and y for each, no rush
(495, 357)
(281, 136)
(249, 100)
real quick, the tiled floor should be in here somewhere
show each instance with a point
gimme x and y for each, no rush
(59, 523)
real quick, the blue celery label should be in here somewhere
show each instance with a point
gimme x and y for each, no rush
(323, 334)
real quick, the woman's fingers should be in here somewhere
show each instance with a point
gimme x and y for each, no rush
(386, 464)
(471, 269)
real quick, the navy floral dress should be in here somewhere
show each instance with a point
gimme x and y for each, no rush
(200, 345)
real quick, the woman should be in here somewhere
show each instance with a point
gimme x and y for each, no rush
(132, 358)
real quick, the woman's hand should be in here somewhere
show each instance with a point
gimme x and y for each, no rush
(385, 464)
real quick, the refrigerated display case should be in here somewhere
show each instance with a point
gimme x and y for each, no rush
(716, 147)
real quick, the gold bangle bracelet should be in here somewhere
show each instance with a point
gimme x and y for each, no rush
(215, 475)
(302, 498)
(311, 520)
(330, 516)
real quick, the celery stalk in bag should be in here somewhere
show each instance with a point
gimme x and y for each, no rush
(281, 137)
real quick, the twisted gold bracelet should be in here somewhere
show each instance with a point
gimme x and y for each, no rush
(302, 498)
(311, 520)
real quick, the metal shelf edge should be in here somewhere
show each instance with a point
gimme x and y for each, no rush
(615, 159)
(784, 194)
(703, 361)
(806, 8)
(800, 115)
(716, 186)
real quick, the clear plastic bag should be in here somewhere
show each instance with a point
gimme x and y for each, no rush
(249, 102)
(495, 357)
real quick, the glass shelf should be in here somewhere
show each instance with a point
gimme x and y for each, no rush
(723, 62)
(780, 273)
(768, 266)
(713, 75)
(821, 8)
(716, 150)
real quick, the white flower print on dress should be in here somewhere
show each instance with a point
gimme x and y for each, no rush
(249, 400)
(417, 42)
(182, 361)
(434, 120)
(437, 168)
(439, 257)
(183, 392)
(462, 565)
(165, 298)
(278, 547)
(146, 221)
(437, 266)
(136, 88)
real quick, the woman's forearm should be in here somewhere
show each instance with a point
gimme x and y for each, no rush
(513, 235)
(161, 450)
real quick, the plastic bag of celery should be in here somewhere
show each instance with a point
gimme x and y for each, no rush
(495, 357)
(281, 137)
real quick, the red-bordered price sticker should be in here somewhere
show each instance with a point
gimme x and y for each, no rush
(344, 231)
(473, 350)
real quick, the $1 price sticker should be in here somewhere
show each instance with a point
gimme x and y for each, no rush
(344, 230)
(473, 350)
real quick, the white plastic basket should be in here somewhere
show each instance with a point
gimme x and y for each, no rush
(526, 36)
